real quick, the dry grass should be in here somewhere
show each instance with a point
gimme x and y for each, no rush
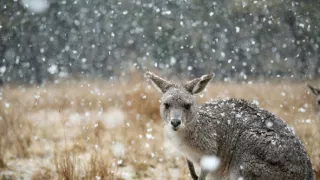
(97, 130)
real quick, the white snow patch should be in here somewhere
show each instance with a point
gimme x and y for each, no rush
(118, 149)
(76, 22)
(149, 136)
(75, 118)
(237, 29)
(256, 102)
(2, 69)
(173, 60)
(53, 69)
(36, 6)
(166, 12)
(210, 163)
(126, 172)
(63, 74)
(302, 110)
(7, 105)
(308, 121)
(269, 124)
(113, 117)
(244, 4)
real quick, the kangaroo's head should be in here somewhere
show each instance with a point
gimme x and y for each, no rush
(178, 107)
(316, 92)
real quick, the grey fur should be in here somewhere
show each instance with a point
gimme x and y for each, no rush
(251, 143)
(316, 92)
(160, 83)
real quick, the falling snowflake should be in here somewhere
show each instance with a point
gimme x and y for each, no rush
(36, 6)
(269, 124)
(237, 29)
(53, 69)
(210, 163)
(118, 149)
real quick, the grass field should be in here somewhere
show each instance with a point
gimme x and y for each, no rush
(98, 130)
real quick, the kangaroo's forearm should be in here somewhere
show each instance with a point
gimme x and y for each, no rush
(191, 170)
(203, 175)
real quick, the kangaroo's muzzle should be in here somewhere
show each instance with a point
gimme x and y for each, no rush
(175, 123)
(175, 118)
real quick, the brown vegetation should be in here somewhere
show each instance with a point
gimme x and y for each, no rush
(98, 130)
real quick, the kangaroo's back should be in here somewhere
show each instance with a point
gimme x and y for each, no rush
(253, 142)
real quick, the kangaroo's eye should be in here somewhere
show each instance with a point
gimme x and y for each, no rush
(166, 105)
(187, 106)
(318, 102)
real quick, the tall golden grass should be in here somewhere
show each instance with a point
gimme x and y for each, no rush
(98, 130)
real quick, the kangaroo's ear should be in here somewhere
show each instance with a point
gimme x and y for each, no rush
(161, 84)
(314, 90)
(197, 85)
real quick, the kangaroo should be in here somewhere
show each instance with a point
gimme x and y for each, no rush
(251, 143)
(316, 92)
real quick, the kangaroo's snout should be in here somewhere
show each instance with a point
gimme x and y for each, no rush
(175, 118)
(175, 123)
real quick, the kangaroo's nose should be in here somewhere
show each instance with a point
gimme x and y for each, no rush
(175, 122)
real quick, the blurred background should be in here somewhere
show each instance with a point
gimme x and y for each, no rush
(42, 40)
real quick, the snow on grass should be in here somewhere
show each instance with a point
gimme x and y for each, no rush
(113, 117)
(118, 149)
(61, 128)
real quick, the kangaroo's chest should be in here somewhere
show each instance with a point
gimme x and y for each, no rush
(178, 141)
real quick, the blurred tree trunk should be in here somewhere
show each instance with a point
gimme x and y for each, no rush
(301, 49)
(317, 69)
